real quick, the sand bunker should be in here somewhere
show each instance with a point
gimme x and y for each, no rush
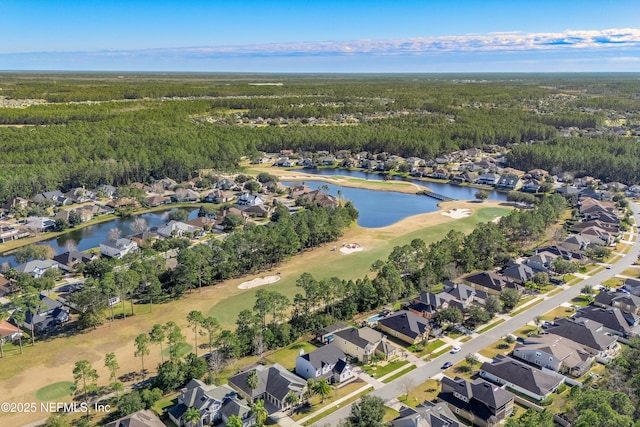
(349, 248)
(457, 213)
(258, 282)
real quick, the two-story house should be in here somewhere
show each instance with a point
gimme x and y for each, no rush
(327, 362)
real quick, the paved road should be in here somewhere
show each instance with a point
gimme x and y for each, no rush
(396, 388)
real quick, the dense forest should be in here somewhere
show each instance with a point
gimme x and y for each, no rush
(66, 130)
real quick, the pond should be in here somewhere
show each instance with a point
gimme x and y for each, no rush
(91, 236)
(450, 190)
(379, 208)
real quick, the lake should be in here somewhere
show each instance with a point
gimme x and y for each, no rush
(450, 190)
(91, 236)
(379, 208)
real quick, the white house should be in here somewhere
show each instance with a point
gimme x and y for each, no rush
(117, 248)
(325, 362)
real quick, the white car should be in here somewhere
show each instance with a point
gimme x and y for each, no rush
(609, 266)
(455, 349)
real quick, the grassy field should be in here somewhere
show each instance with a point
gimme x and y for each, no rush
(329, 263)
(491, 326)
(287, 356)
(336, 407)
(55, 391)
(558, 312)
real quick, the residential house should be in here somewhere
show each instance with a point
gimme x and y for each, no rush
(426, 414)
(297, 190)
(538, 174)
(491, 282)
(203, 222)
(105, 190)
(183, 195)
(632, 286)
(250, 200)
(478, 401)
(613, 320)
(597, 236)
(326, 334)
(284, 162)
(575, 243)
(260, 211)
(122, 202)
(10, 231)
(54, 197)
(80, 195)
(327, 362)
(589, 334)
(117, 248)
(212, 402)
(144, 418)
(8, 332)
(427, 304)
(37, 267)
(520, 377)
(440, 174)
(519, 273)
(68, 260)
(406, 326)
(321, 198)
(613, 229)
(623, 301)
(364, 344)
(462, 295)
(141, 186)
(39, 224)
(531, 186)
(156, 200)
(50, 315)
(554, 352)
(7, 287)
(178, 228)
(488, 179)
(274, 383)
(167, 184)
(225, 184)
(542, 261)
(509, 182)
(216, 196)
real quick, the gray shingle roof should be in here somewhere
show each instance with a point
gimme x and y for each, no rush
(524, 376)
(326, 355)
(406, 323)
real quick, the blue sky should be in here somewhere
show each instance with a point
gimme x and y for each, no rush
(321, 36)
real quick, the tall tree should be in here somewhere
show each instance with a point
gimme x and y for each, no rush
(192, 417)
(111, 363)
(368, 412)
(252, 381)
(142, 347)
(157, 336)
(175, 339)
(85, 378)
(195, 319)
(259, 412)
(211, 325)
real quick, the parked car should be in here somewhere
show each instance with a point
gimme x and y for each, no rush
(609, 266)
(455, 349)
(447, 365)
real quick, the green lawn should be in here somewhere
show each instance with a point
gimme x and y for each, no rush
(181, 351)
(439, 353)
(420, 351)
(493, 325)
(354, 266)
(380, 371)
(316, 401)
(55, 391)
(165, 403)
(558, 312)
(399, 374)
(334, 408)
(515, 313)
(287, 356)
(390, 415)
